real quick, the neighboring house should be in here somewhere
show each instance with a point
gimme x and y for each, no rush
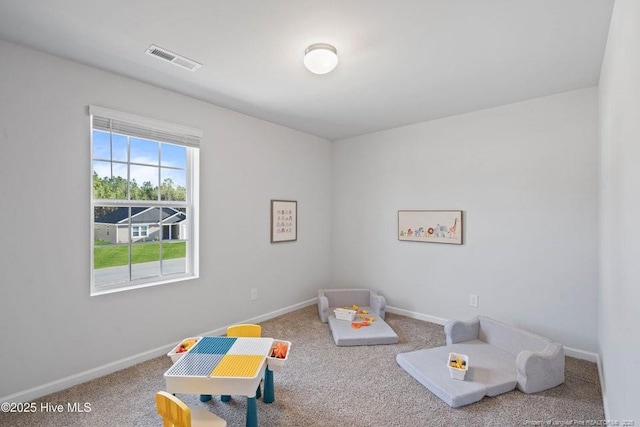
(145, 225)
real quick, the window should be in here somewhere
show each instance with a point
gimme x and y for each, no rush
(139, 231)
(143, 201)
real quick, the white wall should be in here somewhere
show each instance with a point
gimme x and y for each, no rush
(50, 328)
(525, 176)
(619, 308)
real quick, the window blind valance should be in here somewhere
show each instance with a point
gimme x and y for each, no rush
(144, 127)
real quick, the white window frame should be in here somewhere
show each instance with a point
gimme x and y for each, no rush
(161, 131)
(139, 228)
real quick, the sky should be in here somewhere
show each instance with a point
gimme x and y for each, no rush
(146, 153)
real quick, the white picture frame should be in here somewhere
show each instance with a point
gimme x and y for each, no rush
(434, 226)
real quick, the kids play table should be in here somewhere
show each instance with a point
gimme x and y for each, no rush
(225, 366)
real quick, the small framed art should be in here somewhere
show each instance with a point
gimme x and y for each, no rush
(284, 221)
(430, 226)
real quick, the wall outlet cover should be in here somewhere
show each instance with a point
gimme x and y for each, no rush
(473, 300)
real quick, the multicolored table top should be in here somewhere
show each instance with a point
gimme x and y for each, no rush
(223, 357)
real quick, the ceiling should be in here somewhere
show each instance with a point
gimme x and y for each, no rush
(400, 62)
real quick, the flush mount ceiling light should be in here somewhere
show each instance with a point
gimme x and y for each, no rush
(320, 58)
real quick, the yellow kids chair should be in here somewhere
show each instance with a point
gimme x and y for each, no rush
(175, 413)
(245, 331)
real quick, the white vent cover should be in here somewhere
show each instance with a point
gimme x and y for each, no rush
(174, 58)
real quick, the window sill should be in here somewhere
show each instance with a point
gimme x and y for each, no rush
(111, 289)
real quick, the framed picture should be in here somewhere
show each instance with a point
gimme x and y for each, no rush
(430, 226)
(284, 221)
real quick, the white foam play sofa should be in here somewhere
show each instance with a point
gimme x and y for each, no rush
(501, 358)
(378, 331)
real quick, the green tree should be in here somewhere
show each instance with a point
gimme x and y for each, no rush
(109, 188)
(148, 191)
(170, 191)
(115, 187)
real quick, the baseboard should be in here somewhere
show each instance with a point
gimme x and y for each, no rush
(262, 318)
(100, 371)
(581, 354)
(603, 388)
(419, 316)
(82, 377)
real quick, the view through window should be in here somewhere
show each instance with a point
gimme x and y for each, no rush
(142, 206)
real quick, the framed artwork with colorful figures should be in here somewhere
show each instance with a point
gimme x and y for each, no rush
(430, 226)
(284, 221)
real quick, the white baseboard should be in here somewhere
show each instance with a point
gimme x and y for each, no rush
(581, 354)
(81, 377)
(262, 318)
(419, 316)
(603, 388)
(100, 371)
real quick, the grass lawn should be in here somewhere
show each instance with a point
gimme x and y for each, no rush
(113, 256)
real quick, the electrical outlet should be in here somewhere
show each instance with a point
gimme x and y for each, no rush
(473, 300)
(254, 294)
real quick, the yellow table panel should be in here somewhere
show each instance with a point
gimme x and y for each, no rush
(238, 365)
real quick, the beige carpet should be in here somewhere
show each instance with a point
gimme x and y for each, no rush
(325, 385)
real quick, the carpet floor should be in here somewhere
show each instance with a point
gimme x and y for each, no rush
(329, 386)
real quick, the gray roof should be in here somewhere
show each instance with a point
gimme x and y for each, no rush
(142, 215)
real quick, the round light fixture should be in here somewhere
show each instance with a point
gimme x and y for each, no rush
(320, 58)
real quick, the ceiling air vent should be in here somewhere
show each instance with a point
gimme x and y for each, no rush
(174, 58)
